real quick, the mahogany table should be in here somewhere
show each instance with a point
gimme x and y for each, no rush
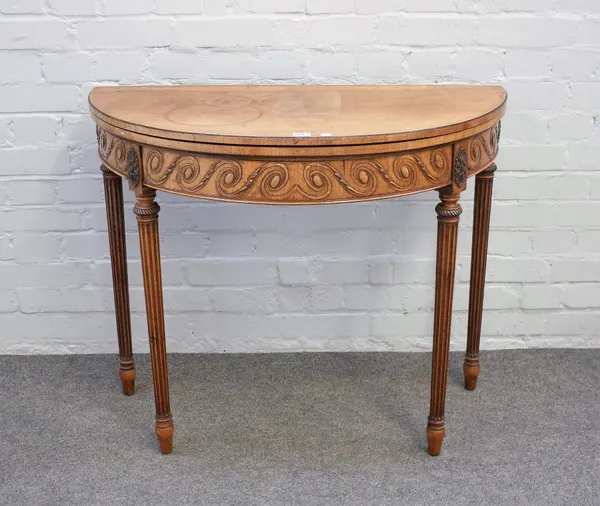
(298, 145)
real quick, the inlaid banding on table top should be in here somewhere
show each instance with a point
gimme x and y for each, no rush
(302, 181)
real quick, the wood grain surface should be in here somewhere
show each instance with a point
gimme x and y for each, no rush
(284, 115)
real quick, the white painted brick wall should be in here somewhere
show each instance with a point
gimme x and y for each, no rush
(252, 278)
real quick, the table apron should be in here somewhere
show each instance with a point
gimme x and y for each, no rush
(298, 180)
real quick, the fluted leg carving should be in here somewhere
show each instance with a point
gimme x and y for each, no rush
(146, 211)
(448, 211)
(113, 189)
(481, 227)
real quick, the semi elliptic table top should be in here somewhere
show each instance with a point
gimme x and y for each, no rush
(298, 145)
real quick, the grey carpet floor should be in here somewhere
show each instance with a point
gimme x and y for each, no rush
(302, 429)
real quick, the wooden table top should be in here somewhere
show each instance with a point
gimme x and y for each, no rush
(297, 115)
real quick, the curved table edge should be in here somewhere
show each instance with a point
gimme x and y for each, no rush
(493, 115)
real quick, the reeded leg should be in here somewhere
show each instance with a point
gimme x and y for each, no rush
(448, 212)
(147, 211)
(481, 228)
(113, 189)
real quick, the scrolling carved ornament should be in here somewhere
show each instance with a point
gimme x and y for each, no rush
(298, 180)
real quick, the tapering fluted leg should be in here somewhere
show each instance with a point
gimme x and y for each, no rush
(448, 211)
(146, 211)
(481, 227)
(113, 189)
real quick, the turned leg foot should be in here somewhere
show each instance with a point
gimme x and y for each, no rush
(164, 433)
(435, 438)
(471, 371)
(127, 374)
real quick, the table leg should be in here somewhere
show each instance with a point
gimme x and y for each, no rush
(113, 189)
(448, 212)
(481, 229)
(146, 211)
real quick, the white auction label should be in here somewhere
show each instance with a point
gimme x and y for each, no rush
(301, 134)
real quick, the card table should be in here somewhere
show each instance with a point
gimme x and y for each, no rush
(297, 145)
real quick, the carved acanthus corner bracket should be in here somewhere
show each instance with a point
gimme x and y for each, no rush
(133, 168)
(460, 167)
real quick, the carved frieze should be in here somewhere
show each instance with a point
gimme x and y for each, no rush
(298, 180)
(112, 150)
(482, 148)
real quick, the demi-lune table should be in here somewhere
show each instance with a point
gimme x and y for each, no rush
(289, 145)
